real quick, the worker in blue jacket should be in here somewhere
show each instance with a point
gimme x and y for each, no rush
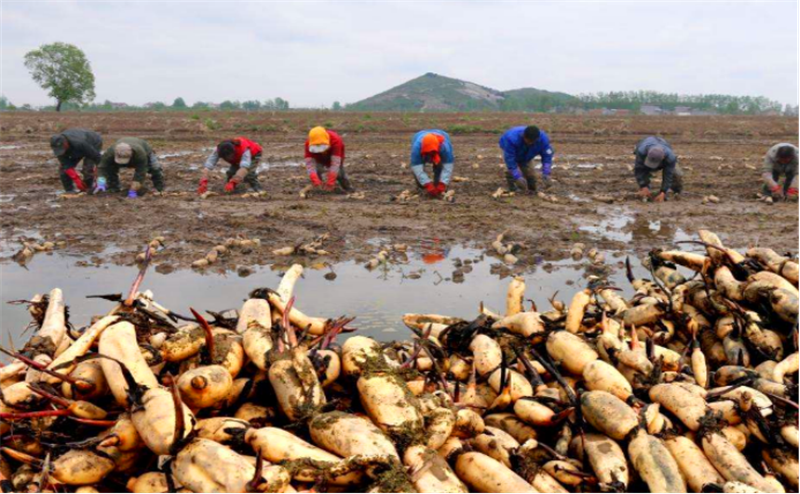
(432, 147)
(520, 145)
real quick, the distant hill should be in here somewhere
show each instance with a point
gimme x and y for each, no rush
(433, 92)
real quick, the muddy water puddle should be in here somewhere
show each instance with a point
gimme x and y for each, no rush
(427, 279)
(623, 225)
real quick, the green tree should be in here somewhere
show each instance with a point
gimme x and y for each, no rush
(251, 105)
(230, 105)
(6, 105)
(336, 106)
(179, 104)
(281, 104)
(64, 71)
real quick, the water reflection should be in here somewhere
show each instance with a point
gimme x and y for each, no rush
(432, 277)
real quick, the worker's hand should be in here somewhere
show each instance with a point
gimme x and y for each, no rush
(431, 189)
(660, 197)
(203, 188)
(644, 192)
(791, 194)
(315, 180)
(777, 192)
(546, 182)
(230, 187)
(101, 185)
(441, 188)
(330, 183)
(132, 194)
(76, 179)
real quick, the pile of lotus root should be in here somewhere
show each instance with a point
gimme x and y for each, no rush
(688, 385)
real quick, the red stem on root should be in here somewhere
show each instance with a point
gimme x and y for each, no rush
(209, 333)
(34, 415)
(139, 278)
(83, 386)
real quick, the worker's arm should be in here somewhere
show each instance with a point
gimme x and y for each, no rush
(641, 173)
(447, 173)
(667, 176)
(337, 158)
(419, 173)
(244, 167)
(769, 180)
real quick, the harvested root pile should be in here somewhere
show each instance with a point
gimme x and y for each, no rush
(689, 385)
(30, 248)
(245, 245)
(507, 251)
(313, 248)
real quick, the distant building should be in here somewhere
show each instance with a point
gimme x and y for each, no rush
(622, 112)
(597, 111)
(683, 111)
(118, 106)
(650, 110)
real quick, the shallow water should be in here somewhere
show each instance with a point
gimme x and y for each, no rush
(378, 299)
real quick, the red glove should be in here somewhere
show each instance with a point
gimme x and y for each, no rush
(791, 191)
(230, 187)
(203, 188)
(329, 184)
(315, 180)
(431, 189)
(441, 188)
(775, 188)
(71, 173)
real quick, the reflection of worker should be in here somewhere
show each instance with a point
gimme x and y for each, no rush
(432, 147)
(129, 152)
(781, 161)
(653, 154)
(72, 146)
(325, 157)
(520, 146)
(243, 155)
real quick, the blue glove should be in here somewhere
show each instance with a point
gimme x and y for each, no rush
(132, 194)
(101, 185)
(516, 173)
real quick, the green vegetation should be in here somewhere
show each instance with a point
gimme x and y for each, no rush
(63, 71)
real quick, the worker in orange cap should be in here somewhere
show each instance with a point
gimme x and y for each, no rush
(325, 157)
(432, 147)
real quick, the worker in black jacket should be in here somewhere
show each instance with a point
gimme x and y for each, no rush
(72, 146)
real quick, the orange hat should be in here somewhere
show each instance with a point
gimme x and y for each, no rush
(430, 147)
(318, 140)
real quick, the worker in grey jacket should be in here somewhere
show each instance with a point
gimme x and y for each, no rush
(781, 161)
(653, 154)
(71, 147)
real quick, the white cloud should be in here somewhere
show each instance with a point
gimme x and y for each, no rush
(313, 53)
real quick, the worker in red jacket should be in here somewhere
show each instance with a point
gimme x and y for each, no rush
(243, 155)
(325, 158)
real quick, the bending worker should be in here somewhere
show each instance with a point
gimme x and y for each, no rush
(432, 147)
(520, 146)
(781, 161)
(129, 152)
(324, 156)
(243, 155)
(653, 154)
(72, 146)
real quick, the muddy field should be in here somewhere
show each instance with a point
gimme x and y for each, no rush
(720, 156)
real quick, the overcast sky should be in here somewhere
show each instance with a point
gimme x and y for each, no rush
(314, 53)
